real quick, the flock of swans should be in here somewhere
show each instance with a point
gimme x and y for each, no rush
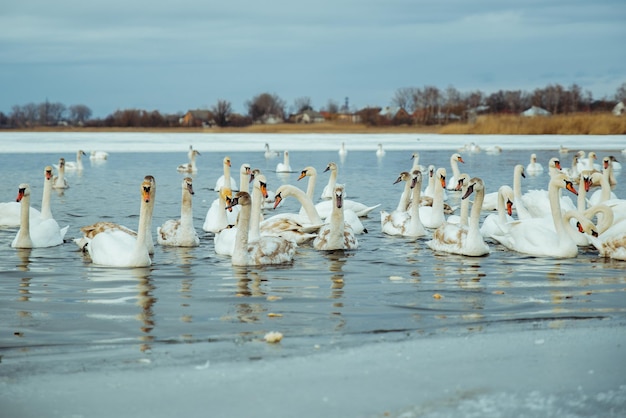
(546, 224)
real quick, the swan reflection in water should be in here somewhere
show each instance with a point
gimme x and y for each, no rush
(117, 286)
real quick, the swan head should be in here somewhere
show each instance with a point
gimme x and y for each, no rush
(606, 162)
(331, 167)
(80, 152)
(47, 172)
(581, 154)
(23, 190)
(61, 162)
(592, 156)
(227, 161)
(457, 157)
(507, 194)
(463, 180)
(416, 178)
(261, 183)
(307, 171)
(147, 188)
(431, 170)
(554, 163)
(415, 156)
(195, 152)
(562, 181)
(338, 195)
(441, 175)
(241, 198)
(404, 176)
(475, 184)
(188, 185)
(533, 158)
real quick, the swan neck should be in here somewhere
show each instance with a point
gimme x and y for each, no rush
(145, 215)
(310, 188)
(241, 237)
(307, 205)
(186, 211)
(403, 204)
(46, 213)
(255, 215)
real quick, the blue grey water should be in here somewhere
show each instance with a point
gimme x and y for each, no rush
(192, 305)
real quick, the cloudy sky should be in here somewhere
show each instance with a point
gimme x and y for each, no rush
(175, 56)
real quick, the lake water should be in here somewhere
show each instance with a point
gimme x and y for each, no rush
(60, 314)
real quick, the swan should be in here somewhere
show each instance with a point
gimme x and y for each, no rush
(461, 239)
(59, 181)
(226, 164)
(572, 171)
(39, 234)
(534, 168)
(455, 159)
(10, 212)
(554, 166)
(113, 245)
(401, 221)
(324, 208)
(245, 177)
(563, 150)
(343, 152)
(429, 191)
(380, 152)
(463, 216)
(518, 197)
(491, 199)
(497, 222)
(269, 153)
(265, 250)
(433, 216)
(284, 167)
(189, 167)
(494, 150)
(327, 193)
(587, 163)
(292, 226)
(415, 157)
(180, 232)
(615, 164)
(268, 197)
(611, 243)
(604, 181)
(224, 239)
(534, 238)
(76, 165)
(217, 217)
(98, 155)
(537, 202)
(337, 234)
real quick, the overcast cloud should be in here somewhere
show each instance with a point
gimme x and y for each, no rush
(182, 55)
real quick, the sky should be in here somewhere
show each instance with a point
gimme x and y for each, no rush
(176, 56)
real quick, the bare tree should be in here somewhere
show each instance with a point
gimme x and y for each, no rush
(404, 98)
(79, 114)
(332, 106)
(265, 105)
(302, 103)
(222, 112)
(620, 94)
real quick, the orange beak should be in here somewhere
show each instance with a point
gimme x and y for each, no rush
(443, 181)
(569, 186)
(587, 183)
(557, 164)
(277, 200)
(48, 174)
(145, 194)
(509, 207)
(302, 175)
(20, 195)
(264, 190)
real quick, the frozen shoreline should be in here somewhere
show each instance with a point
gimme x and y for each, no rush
(547, 372)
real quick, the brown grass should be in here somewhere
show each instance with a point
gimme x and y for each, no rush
(573, 124)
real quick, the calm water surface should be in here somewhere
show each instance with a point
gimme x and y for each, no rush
(191, 303)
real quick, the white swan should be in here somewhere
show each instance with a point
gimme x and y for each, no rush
(113, 245)
(380, 152)
(284, 167)
(405, 222)
(572, 171)
(59, 181)
(534, 168)
(461, 239)
(265, 250)
(491, 199)
(530, 237)
(10, 212)
(189, 167)
(292, 226)
(496, 223)
(217, 217)
(76, 165)
(269, 195)
(180, 232)
(463, 216)
(98, 155)
(343, 152)
(455, 159)
(219, 183)
(38, 234)
(433, 216)
(269, 153)
(611, 243)
(311, 173)
(518, 201)
(554, 166)
(604, 181)
(415, 157)
(587, 163)
(224, 240)
(614, 163)
(337, 234)
(327, 193)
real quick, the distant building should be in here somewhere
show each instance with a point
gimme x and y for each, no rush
(307, 116)
(198, 118)
(535, 111)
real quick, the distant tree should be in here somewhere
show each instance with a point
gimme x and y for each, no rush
(332, 106)
(4, 120)
(265, 105)
(404, 98)
(302, 103)
(51, 113)
(620, 94)
(79, 114)
(222, 112)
